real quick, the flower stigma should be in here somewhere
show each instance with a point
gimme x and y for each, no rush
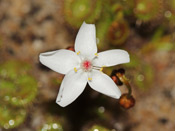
(86, 65)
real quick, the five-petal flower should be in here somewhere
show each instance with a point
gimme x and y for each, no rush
(84, 66)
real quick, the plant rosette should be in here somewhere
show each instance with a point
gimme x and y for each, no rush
(17, 86)
(11, 117)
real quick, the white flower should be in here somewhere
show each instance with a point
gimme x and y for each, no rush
(84, 66)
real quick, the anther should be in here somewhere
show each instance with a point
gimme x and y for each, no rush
(89, 79)
(101, 69)
(78, 52)
(75, 69)
(71, 48)
(96, 54)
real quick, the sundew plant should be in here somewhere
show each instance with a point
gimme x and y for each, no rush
(87, 65)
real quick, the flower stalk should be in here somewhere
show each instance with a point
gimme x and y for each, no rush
(124, 80)
(126, 100)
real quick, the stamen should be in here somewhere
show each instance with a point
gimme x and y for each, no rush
(89, 78)
(78, 52)
(96, 68)
(75, 69)
(96, 54)
(101, 69)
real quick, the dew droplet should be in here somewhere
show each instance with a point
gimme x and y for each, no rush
(14, 99)
(44, 129)
(141, 6)
(55, 126)
(6, 98)
(101, 109)
(11, 122)
(49, 127)
(97, 40)
(168, 14)
(6, 126)
(140, 77)
(4, 73)
(82, 7)
(46, 126)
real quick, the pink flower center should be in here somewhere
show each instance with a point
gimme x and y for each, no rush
(86, 65)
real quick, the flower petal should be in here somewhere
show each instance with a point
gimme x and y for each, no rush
(72, 86)
(111, 58)
(104, 84)
(85, 42)
(61, 61)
